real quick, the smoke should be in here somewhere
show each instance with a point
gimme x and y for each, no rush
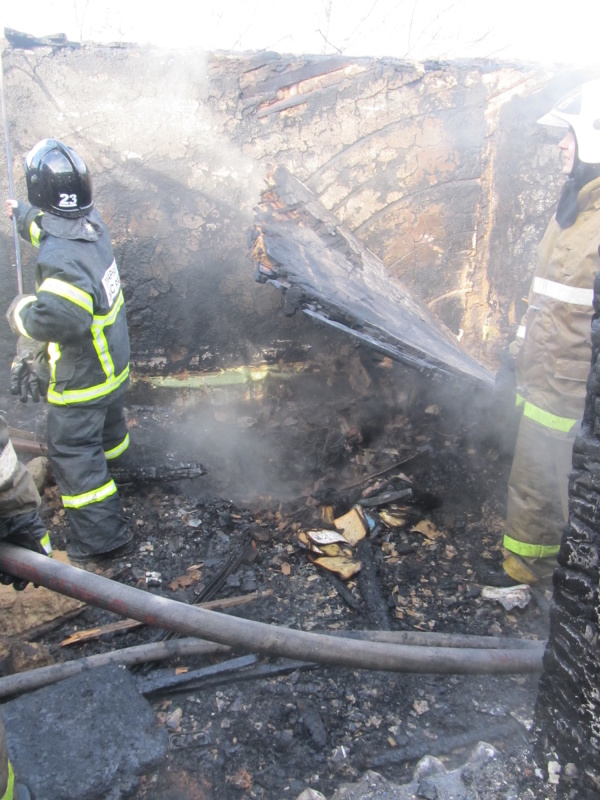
(248, 458)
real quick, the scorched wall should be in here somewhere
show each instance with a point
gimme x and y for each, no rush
(439, 168)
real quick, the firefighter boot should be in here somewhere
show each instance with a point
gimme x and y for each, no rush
(530, 571)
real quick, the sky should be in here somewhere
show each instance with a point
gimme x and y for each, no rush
(526, 30)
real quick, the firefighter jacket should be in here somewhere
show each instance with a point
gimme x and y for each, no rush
(553, 361)
(20, 522)
(78, 308)
(552, 365)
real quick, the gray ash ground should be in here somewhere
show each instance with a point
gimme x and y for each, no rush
(272, 737)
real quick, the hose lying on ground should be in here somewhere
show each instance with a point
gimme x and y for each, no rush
(259, 637)
(22, 682)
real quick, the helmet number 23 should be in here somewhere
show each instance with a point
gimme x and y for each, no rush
(67, 200)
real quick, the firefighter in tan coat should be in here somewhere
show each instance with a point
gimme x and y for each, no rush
(9, 790)
(20, 524)
(553, 347)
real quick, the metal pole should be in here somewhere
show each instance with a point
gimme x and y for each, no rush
(11, 186)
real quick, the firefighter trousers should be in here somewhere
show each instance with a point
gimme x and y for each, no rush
(80, 438)
(538, 495)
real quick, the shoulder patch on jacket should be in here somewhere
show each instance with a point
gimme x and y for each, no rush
(111, 283)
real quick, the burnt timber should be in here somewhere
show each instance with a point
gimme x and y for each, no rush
(324, 270)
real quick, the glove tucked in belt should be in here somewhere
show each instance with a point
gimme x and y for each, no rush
(29, 371)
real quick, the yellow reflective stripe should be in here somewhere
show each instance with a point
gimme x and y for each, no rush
(100, 343)
(27, 300)
(46, 544)
(69, 292)
(544, 418)
(86, 395)
(87, 498)
(530, 550)
(35, 234)
(562, 292)
(115, 452)
(102, 350)
(10, 786)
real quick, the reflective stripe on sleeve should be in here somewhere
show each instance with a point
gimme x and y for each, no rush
(35, 234)
(545, 418)
(87, 498)
(530, 550)
(25, 301)
(562, 292)
(521, 332)
(115, 452)
(68, 292)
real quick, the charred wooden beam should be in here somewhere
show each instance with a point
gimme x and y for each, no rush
(325, 271)
(159, 474)
(370, 588)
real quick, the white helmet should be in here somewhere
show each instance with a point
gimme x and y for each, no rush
(579, 110)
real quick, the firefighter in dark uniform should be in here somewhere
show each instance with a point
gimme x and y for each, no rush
(74, 328)
(20, 524)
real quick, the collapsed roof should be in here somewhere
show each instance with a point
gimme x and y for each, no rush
(324, 270)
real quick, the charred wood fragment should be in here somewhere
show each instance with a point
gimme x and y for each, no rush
(312, 722)
(342, 590)
(257, 672)
(165, 680)
(384, 498)
(25, 41)
(160, 474)
(287, 78)
(370, 588)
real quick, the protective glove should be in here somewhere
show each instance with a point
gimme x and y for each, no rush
(28, 531)
(29, 371)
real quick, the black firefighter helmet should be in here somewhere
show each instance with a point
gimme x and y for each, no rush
(58, 179)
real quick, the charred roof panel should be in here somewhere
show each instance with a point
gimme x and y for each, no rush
(326, 271)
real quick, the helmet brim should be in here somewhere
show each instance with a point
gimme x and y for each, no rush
(553, 120)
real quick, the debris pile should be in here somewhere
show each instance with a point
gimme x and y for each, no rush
(419, 519)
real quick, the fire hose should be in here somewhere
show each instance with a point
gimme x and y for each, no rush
(259, 637)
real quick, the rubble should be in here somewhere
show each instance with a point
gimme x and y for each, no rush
(408, 582)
